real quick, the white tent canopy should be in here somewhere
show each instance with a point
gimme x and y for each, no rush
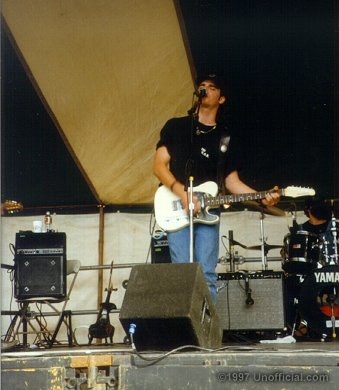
(105, 71)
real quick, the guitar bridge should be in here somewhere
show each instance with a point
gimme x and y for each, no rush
(177, 205)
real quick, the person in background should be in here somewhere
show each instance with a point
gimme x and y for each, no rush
(319, 224)
(319, 214)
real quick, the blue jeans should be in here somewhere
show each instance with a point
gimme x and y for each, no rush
(205, 250)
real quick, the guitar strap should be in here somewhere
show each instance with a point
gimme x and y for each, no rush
(223, 149)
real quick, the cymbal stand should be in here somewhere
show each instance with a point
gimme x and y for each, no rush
(335, 236)
(331, 302)
(263, 243)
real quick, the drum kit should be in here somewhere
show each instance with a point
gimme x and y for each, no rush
(311, 262)
(311, 265)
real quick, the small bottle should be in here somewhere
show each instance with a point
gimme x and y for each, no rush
(48, 221)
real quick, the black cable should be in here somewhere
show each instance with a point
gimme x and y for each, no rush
(151, 230)
(11, 279)
(12, 249)
(152, 361)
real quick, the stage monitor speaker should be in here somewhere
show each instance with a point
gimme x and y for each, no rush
(171, 306)
(40, 265)
(159, 249)
(251, 301)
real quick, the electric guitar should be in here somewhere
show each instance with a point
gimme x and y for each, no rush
(11, 207)
(170, 215)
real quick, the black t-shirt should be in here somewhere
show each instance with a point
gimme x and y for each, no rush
(315, 229)
(183, 143)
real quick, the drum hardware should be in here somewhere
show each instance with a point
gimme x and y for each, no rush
(318, 301)
(231, 249)
(264, 250)
(335, 206)
(270, 210)
(329, 248)
(301, 253)
(331, 300)
(334, 233)
(226, 259)
(241, 259)
(233, 257)
(266, 246)
(293, 211)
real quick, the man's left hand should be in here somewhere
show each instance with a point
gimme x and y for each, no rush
(272, 198)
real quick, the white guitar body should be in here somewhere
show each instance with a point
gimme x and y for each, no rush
(170, 215)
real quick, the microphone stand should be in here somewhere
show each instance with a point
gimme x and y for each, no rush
(194, 112)
(231, 250)
(191, 212)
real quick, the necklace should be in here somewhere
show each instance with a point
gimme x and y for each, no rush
(199, 131)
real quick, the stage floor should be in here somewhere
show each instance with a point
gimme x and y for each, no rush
(300, 365)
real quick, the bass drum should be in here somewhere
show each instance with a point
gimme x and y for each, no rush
(301, 252)
(319, 300)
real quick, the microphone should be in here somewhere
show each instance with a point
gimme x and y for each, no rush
(201, 92)
(249, 300)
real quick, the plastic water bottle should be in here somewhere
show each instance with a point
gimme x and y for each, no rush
(48, 221)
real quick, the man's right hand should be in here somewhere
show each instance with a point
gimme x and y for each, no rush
(185, 199)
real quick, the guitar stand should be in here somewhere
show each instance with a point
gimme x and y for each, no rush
(103, 329)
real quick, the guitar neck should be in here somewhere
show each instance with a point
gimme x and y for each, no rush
(108, 298)
(215, 201)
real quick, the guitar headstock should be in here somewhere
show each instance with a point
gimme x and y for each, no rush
(295, 192)
(11, 207)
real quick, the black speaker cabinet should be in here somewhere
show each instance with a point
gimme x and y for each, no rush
(40, 265)
(171, 306)
(251, 301)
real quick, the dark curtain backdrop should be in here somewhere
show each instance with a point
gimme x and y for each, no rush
(281, 61)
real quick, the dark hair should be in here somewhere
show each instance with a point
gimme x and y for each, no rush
(218, 80)
(318, 207)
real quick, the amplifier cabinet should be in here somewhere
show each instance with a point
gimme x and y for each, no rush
(160, 250)
(250, 301)
(40, 265)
